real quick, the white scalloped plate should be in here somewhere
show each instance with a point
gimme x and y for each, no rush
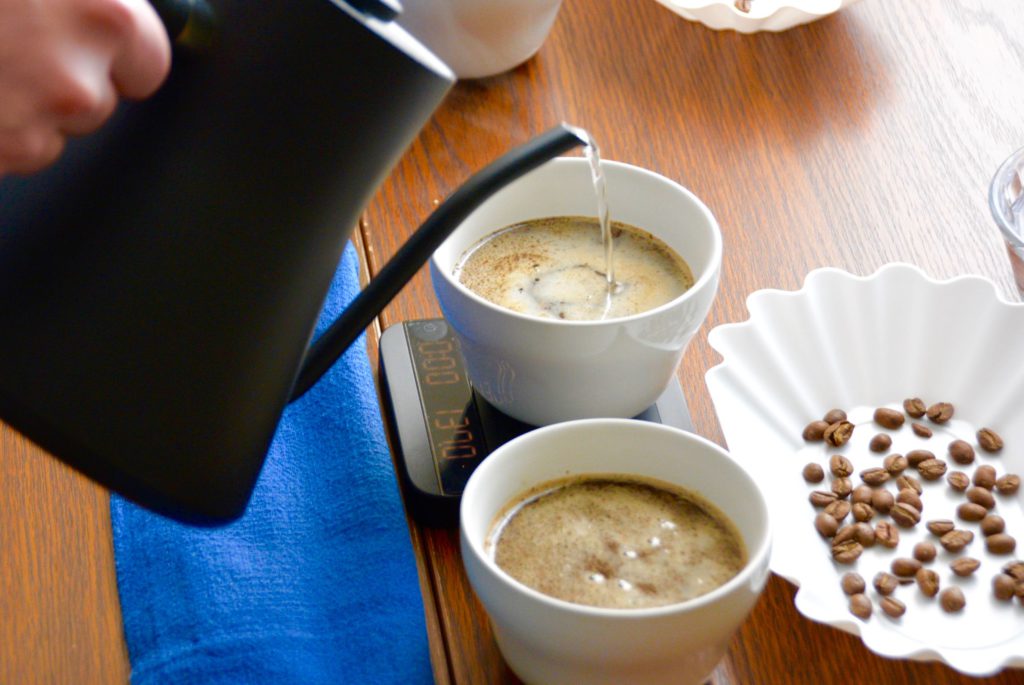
(764, 15)
(860, 343)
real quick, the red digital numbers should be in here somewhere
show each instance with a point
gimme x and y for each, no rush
(460, 445)
(437, 361)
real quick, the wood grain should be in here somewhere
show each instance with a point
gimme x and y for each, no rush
(864, 138)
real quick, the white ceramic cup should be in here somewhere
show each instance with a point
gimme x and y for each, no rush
(543, 371)
(547, 640)
(478, 38)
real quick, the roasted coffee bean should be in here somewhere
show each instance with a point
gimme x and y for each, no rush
(1003, 587)
(815, 431)
(893, 607)
(1015, 569)
(820, 498)
(895, 464)
(842, 487)
(964, 566)
(925, 552)
(955, 540)
(860, 606)
(889, 418)
(905, 566)
(928, 581)
(861, 494)
(908, 496)
(1000, 543)
(839, 509)
(825, 524)
(905, 515)
(940, 526)
(952, 599)
(882, 501)
(838, 433)
(961, 452)
(932, 469)
(863, 511)
(989, 440)
(981, 496)
(847, 552)
(969, 511)
(864, 534)
(914, 407)
(885, 583)
(992, 524)
(874, 476)
(915, 457)
(813, 473)
(921, 430)
(852, 583)
(985, 476)
(1008, 484)
(880, 443)
(887, 535)
(940, 412)
(847, 532)
(958, 480)
(907, 481)
(840, 466)
(834, 416)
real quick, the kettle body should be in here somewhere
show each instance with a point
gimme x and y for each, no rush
(160, 283)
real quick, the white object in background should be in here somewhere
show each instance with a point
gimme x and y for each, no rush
(548, 641)
(542, 370)
(479, 38)
(764, 15)
(858, 343)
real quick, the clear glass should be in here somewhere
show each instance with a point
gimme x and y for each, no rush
(1006, 199)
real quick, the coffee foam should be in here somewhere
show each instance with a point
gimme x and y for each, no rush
(555, 268)
(616, 542)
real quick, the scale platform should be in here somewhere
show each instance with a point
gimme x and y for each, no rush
(440, 429)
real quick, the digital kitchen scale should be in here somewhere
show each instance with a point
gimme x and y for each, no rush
(440, 429)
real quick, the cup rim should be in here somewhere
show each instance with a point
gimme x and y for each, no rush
(1013, 163)
(699, 284)
(756, 558)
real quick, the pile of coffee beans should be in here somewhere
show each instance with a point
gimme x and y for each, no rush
(878, 513)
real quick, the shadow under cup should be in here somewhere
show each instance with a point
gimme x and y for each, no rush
(547, 640)
(544, 371)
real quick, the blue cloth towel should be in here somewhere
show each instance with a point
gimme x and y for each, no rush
(316, 583)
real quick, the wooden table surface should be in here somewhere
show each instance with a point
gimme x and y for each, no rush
(865, 138)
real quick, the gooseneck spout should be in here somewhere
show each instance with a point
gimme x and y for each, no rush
(427, 238)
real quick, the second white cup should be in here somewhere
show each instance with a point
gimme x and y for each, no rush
(548, 641)
(544, 371)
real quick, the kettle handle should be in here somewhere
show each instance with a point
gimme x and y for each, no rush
(189, 23)
(421, 245)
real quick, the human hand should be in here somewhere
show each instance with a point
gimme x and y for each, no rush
(63, 66)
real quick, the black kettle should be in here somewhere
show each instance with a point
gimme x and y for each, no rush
(160, 284)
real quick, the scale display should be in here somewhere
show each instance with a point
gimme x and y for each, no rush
(440, 429)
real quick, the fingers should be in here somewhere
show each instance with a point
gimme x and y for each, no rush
(145, 58)
(87, 96)
(30, 150)
(63, 66)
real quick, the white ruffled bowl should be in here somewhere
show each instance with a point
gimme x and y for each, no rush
(764, 15)
(859, 343)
